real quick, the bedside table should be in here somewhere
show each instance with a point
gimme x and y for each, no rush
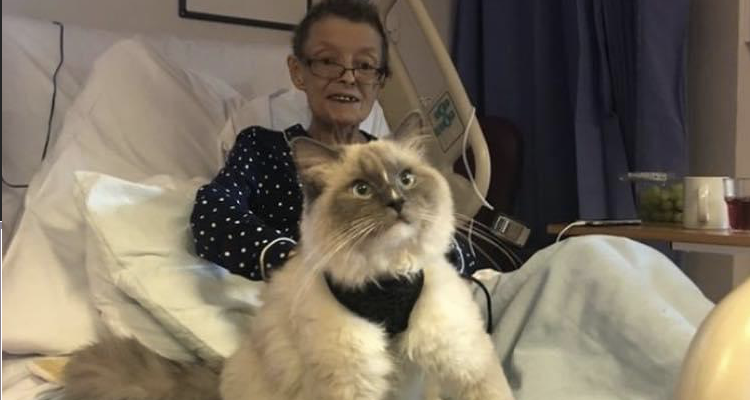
(700, 240)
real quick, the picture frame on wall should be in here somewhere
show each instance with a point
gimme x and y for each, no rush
(276, 14)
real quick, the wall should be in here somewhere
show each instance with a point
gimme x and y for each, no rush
(442, 13)
(143, 16)
(160, 17)
(718, 78)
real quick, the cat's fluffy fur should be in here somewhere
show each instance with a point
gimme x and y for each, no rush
(304, 345)
(123, 369)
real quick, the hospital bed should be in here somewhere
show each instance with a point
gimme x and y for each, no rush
(151, 118)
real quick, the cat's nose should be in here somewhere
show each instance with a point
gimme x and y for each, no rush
(397, 204)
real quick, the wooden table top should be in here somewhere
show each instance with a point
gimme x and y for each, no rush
(662, 232)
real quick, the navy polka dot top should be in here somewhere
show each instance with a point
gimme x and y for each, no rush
(247, 218)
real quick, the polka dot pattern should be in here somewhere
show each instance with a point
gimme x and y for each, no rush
(249, 204)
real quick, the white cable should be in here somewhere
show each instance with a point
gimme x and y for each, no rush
(567, 228)
(514, 259)
(460, 255)
(517, 259)
(466, 162)
(507, 255)
(262, 257)
(468, 237)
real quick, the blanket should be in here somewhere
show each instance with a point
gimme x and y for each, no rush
(594, 317)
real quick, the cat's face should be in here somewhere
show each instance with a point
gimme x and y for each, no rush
(378, 200)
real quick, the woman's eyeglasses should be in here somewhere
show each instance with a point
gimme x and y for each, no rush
(364, 73)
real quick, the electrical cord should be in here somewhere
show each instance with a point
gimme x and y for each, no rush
(568, 227)
(52, 106)
(464, 144)
(489, 302)
(12, 185)
(54, 87)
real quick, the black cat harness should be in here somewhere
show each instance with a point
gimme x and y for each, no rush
(387, 302)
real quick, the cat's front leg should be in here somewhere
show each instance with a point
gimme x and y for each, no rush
(463, 371)
(446, 337)
(343, 356)
(431, 389)
(350, 364)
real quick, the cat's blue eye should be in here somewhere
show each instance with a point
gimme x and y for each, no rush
(362, 190)
(406, 179)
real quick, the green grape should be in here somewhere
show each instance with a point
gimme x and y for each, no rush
(677, 190)
(651, 193)
(660, 202)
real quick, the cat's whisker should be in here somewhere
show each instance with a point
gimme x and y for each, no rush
(463, 218)
(476, 226)
(495, 265)
(328, 251)
(488, 232)
(496, 245)
(344, 238)
(359, 230)
(363, 234)
(426, 216)
(462, 231)
(354, 236)
(466, 218)
(513, 258)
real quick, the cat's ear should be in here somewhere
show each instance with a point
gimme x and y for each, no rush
(311, 158)
(412, 133)
(308, 153)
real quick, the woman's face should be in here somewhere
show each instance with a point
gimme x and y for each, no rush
(338, 103)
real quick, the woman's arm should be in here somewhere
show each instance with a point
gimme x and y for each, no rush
(226, 227)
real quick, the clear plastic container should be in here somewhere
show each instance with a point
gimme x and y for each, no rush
(659, 196)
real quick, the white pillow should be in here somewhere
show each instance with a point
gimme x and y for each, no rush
(122, 315)
(137, 116)
(285, 108)
(144, 228)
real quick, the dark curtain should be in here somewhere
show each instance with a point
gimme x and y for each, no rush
(595, 87)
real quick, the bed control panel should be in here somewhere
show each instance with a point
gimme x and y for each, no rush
(510, 230)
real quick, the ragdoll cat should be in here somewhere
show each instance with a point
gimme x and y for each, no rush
(369, 304)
